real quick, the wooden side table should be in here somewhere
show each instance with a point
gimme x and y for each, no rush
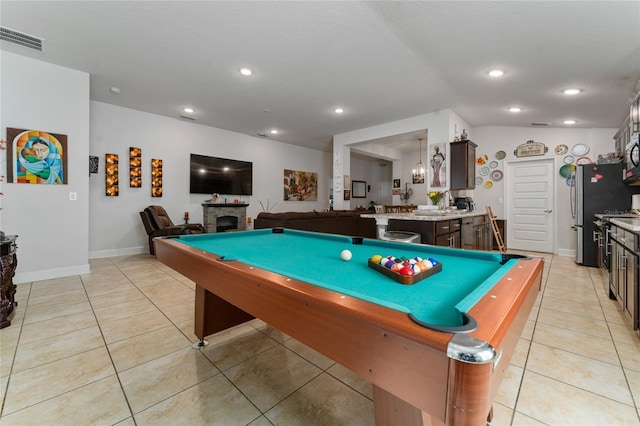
(8, 264)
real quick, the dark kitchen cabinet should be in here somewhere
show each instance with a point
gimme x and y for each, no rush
(463, 165)
(438, 232)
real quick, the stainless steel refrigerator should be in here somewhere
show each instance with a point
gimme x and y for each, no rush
(599, 188)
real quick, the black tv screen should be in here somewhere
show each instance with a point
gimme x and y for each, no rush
(213, 175)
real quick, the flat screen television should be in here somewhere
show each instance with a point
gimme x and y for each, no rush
(213, 175)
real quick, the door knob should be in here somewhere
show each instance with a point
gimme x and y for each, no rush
(548, 211)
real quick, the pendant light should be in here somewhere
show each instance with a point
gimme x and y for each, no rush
(419, 170)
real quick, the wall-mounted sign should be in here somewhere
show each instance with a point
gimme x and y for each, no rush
(530, 149)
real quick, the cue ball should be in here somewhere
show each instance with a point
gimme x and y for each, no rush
(345, 255)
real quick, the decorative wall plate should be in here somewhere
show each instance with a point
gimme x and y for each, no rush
(500, 155)
(479, 180)
(583, 160)
(567, 170)
(561, 149)
(571, 180)
(568, 159)
(496, 175)
(493, 164)
(484, 171)
(488, 184)
(579, 149)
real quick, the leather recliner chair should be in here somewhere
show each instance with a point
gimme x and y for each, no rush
(157, 223)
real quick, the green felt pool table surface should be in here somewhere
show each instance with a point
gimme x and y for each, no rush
(439, 299)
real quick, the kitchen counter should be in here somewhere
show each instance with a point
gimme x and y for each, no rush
(383, 218)
(631, 224)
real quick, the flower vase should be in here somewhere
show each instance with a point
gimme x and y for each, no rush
(441, 204)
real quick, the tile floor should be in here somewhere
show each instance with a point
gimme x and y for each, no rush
(114, 347)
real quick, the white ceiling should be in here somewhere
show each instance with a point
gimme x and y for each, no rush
(381, 61)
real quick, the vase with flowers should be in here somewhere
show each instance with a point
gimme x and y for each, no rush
(436, 198)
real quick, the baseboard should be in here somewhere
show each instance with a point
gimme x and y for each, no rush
(566, 252)
(48, 274)
(118, 252)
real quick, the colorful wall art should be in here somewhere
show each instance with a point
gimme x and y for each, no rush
(135, 167)
(111, 175)
(37, 157)
(156, 177)
(300, 186)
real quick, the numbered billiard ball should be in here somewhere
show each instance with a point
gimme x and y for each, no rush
(345, 255)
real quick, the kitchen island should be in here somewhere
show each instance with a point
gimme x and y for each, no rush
(451, 228)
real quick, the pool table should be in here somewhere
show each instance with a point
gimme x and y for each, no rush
(435, 350)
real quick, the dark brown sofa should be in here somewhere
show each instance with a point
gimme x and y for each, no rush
(343, 222)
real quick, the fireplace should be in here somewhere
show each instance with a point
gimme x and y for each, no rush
(219, 217)
(226, 223)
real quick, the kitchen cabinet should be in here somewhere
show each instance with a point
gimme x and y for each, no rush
(437, 232)
(482, 233)
(623, 276)
(463, 164)
(476, 233)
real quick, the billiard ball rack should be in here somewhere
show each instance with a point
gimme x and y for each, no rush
(405, 279)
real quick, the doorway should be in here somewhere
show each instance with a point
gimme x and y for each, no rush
(529, 198)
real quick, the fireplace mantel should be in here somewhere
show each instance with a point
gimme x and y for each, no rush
(212, 211)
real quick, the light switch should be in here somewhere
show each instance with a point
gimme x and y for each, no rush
(73, 196)
(500, 200)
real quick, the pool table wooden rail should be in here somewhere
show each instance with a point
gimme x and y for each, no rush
(414, 380)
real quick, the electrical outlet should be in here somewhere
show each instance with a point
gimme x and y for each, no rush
(73, 196)
(500, 200)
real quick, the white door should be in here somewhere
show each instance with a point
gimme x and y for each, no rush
(529, 198)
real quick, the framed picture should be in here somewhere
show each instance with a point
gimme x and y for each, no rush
(347, 194)
(359, 189)
(396, 184)
(36, 157)
(438, 165)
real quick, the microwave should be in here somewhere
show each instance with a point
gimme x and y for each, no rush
(632, 158)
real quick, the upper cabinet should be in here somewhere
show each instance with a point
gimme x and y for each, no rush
(463, 164)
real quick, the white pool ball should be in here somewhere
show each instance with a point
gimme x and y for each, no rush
(345, 255)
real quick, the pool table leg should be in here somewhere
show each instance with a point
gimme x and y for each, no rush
(391, 410)
(214, 314)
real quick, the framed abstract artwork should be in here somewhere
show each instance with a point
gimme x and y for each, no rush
(36, 157)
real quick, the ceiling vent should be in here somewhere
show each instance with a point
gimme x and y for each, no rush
(21, 39)
(541, 124)
(186, 117)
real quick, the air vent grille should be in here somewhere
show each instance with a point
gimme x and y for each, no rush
(541, 124)
(186, 117)
(21, 39)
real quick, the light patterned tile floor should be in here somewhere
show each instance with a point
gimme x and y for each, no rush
(114, 347)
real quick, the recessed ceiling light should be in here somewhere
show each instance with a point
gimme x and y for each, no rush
(114, 90)
(246, 71)
(515, 109)
(338, 110)
(274, 131)
(496, 73)
(569, 121)
(188, 110)
(571, 91)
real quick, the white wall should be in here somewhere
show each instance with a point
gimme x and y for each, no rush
(491, 139)
(437, 124)
(53, 238)
(115, 225)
